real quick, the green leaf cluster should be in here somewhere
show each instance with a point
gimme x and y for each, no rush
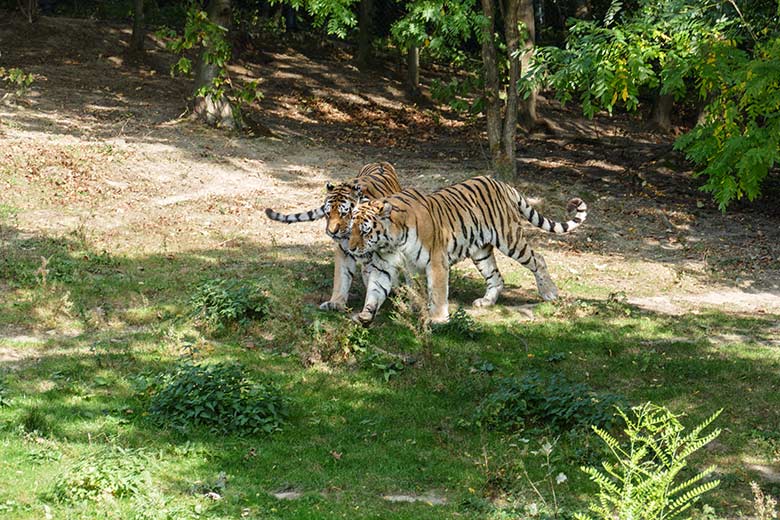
(438, 27)
(537, 402)
(645, 481)
(738, 143)
(221, 304)
(609, 62)
(220, 397)
(17, 78)
(103, 474)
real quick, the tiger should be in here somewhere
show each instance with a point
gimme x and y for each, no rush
(374, 181)
(410, 230)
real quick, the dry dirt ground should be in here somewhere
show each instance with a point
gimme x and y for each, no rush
(98, 146)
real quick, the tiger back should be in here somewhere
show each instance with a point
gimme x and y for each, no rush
(374, 181)
(428, 233)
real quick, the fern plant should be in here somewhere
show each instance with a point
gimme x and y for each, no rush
(645, 482)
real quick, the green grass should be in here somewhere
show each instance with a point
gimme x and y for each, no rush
(99, 327)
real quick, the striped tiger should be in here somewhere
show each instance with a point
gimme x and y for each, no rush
(375, 180)
(429, 233)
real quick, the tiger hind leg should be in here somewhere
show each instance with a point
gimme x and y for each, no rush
(534, 262)
(485, 262)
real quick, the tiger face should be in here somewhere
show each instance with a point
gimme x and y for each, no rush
(339, 204)
(370, 223)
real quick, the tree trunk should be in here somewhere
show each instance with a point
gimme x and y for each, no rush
(527, 110)
(507, 166)
(492, 85)
(213, 110)
(662, 112)
(413, 71)
(139, 29)
(364, 34)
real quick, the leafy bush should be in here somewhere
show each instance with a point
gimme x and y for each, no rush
(220, 397)
(739, 142)
(644, 482)
(105, 473)
(17, 79)
(538, 402)
(224, 303)
(461, 324)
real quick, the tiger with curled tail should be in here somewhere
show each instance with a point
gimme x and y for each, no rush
(374, 181)
(431, 232)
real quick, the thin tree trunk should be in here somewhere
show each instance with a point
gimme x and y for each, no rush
(492, 85)
(364, 34)
(507, 165)
(215, 111)
(139, 28)
(662, 112)
(527, 112)
(413, 71)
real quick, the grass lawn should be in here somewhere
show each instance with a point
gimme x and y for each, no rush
(361, 425)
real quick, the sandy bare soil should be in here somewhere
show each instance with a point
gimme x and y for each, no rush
(99, 146)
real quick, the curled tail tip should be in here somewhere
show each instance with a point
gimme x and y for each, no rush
(576, 204)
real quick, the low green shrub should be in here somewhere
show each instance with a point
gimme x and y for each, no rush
(103, 474)
(220, 397)
(646, 480)
(536, 402)
(221, 304)
(460, 325)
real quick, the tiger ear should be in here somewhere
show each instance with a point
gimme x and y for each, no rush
(358, 190)
(387, 208)
(329, 186)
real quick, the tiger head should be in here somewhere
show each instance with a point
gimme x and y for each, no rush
(339, 203)
(370, 227)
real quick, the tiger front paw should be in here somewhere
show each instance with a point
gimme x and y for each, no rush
(363, 318)
(333, 306)
(483, 302)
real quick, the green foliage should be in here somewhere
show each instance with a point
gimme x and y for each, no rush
(17, 79)
(5, 400)
(336, 16)
(103, 474)
(461, 324)
(221, 304)
(739, 142)
(534, 401)
(35, 421)
(211, 40)
(645, 481)
(609, 62)
(220, 397)
(668, 47)
(438, 27)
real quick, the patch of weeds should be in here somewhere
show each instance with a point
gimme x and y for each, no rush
(334, 343)
(460, 325)
(535, 402)
(389, 369)
(43, 454)
(555, 357)
(7, 212)
(222, 304)
(34, 421)
(17, 79)
(411, 310)
(153, 505)
(5, 399)
(220, 397)
(485, 367)
(103, 474)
